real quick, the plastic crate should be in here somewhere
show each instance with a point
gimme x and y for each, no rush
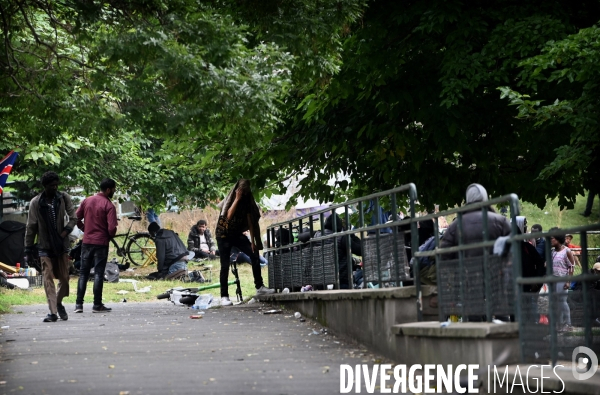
(35, 281)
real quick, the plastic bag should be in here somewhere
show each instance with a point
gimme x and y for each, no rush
(203, 302)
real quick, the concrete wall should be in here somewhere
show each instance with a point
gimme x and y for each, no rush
(366, 316)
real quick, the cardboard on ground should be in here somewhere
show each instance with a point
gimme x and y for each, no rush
(8, 268)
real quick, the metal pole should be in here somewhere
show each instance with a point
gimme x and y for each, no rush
(336, 256)
(395, 240)
(461, 269)
(487, 283)
(378, 242)
(414, 245)
(551, 304)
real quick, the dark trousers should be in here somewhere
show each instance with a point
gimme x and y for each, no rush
(92, 256)
(244, 245)
(590, 203)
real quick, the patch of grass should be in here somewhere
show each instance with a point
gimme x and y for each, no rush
(9, 298)
(552, 216)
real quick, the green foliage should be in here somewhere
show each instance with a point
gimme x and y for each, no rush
(167, 97)
(570, 67)
(416, 101)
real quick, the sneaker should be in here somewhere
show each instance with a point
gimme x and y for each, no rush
(101, 309)
(264, 291)
(225, 301)
(51, 318)
(62, 312)
(79, 308)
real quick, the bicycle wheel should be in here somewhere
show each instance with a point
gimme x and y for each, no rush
(139, 247)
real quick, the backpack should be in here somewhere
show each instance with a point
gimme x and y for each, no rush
(111, 273)
(429, 245)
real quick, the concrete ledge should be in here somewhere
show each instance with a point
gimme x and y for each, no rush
(472, 330)
(366, 316)
(384, 293)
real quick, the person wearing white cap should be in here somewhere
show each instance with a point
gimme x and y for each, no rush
(473, 224)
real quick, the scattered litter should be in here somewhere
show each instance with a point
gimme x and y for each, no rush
(122, 292)
(537, 355)
(306, 288)
(5, 327)
(111, 366)
(302, 319)
(285, 291)
(314, 332)
(445, 324)
(325, 369)
(129, 270)
(272, 312)
(297, 314)
(204, 302)
(252, 301)
(196, 316)
(135, 282)
(124, 300)
(496, 321)
(124, 392)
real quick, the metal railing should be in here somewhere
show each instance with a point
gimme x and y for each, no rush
(582, 304)
(317, 262)
(466, 284)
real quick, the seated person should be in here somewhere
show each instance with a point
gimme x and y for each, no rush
(171, 254)
(200, 241)
(238, 256)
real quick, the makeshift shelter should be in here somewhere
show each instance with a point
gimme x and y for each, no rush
(12, 242)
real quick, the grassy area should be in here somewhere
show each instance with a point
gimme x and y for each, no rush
(551, 216)
(9, 298)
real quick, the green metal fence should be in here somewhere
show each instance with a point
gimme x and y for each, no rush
(293, 263)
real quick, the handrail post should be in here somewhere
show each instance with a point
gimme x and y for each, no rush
(349, 260)
(486, 270)
(414, 246)
(395, 240)
(378, 243)
(336, 256)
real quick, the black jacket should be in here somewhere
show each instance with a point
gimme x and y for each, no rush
(193, 240)
(473, 232)
(169, 249)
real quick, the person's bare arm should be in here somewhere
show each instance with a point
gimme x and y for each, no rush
(251, 229)
(231, 211)
(572, 260)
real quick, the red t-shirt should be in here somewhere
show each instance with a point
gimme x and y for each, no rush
(99, 220)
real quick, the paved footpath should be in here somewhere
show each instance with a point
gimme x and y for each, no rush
(155, 348)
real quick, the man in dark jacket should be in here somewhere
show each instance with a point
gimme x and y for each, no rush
(540, 243)
(171, 254)
(473, 225)
(47, 213)
(200, 241)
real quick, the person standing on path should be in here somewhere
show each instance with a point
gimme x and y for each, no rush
(48, 213)
(97, 218)
(562, 266)
(239, 213)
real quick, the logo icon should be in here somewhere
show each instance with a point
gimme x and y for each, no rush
(580, 363)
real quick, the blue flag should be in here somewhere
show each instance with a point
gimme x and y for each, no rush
(6, 165)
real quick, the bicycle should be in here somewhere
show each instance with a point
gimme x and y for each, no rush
(136, 248)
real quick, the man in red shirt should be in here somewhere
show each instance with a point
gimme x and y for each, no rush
(97, 218)
(575, 249)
